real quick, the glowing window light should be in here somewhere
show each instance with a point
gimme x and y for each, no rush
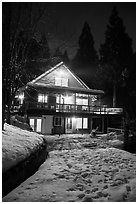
(38, 125)
(64, 82)
(21, 97)
(81, 101)
(45, 97)
(73, 120)
(61, 73)
(61, 81)
(78, 123)
(32, 123)
(58, 81)
(85, 123)
(42, 98)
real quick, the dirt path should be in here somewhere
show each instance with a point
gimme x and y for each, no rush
(68, 142)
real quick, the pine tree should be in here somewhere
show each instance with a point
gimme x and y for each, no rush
(116, 52)
(85, 61)
(86, 54)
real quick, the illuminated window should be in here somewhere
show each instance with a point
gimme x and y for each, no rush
(32, 123)
(38, 125)
(81, 95)
(61, 81)
(57, 121)
(81, 123)
(78, 123)
(59, 99)
(81, 101)
(42, 98)
(85, 123)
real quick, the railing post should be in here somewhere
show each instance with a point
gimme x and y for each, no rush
(88, 108)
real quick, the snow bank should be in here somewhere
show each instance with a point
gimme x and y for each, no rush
(17, 144)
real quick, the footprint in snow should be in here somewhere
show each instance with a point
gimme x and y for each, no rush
(69, 165)
(87, 198)
(61, 176)
(95, 189)
(84, 175)
(81, 195)
(71, 189)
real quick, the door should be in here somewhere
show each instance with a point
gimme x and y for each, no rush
(47, 124)
(69, 128)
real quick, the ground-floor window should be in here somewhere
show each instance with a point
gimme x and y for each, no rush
(81, 123)
(78, 123)
(85, 123)
(32, 123)
(57, 121)
(38, 125)
(35, 124)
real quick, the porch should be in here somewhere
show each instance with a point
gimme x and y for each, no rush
(73, 108)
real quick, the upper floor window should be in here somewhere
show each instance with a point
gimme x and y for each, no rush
(61, 81)
(42, 98)
(81, 99)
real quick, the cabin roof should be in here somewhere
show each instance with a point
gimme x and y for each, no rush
(56, 63)
(55, 67)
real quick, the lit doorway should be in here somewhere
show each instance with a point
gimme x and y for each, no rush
(69, 128)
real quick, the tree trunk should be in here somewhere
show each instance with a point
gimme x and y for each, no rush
(114, 94)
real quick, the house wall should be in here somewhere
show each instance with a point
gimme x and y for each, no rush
(47, 125)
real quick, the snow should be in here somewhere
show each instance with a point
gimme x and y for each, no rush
(17, 144)
(77, 171)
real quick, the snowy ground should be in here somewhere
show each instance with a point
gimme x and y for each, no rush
(80, 168)
(17, 144)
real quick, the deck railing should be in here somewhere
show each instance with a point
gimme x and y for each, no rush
(73, 108)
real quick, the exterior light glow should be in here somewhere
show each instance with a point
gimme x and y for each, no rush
(73, 119)
(21, 97)
(67, 99)
(42, 98)
(61, 73)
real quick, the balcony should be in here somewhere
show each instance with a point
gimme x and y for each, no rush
(72, 108)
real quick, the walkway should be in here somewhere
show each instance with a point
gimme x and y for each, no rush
(80, 168)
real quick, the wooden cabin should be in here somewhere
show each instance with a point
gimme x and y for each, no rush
(59, 102)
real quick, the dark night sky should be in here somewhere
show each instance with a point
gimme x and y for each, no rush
(63, 22)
